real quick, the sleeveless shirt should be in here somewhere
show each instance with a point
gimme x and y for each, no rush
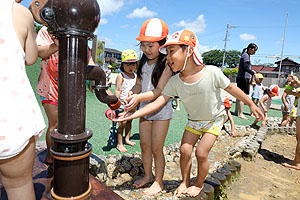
(166, 111)
(20, 114)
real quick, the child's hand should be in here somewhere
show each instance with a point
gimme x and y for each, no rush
(131, 102)
(286, 108)
(124, 116)
(256, 112)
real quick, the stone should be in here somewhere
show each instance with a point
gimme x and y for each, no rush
(126, 165)
(136, 162)
(134, 171)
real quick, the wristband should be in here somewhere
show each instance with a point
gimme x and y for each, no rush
(288, 87)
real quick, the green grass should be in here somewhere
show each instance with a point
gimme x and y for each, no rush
(100, 125)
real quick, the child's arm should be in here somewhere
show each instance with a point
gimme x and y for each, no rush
(148, 109)
(24, 26)
(253, 79)
(137, 88)
(292, 92)
(48, 50)
(262, 101)
(153, 94)
(119, 81)
(239, 94)
(284, 101)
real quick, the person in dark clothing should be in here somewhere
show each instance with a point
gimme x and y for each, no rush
(244, 76)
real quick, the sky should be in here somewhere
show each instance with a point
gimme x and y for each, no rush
(258, 21)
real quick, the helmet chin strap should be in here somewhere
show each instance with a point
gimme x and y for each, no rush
(188, 50)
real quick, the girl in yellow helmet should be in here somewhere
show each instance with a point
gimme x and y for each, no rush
(124, 83)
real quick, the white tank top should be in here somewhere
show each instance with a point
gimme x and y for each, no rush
(127, 85)
(20, 114)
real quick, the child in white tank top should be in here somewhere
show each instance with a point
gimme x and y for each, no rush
(124, 83)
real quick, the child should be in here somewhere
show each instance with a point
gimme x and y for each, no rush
(21, 118)
(286, 107)
(124, 83)
(257, 88)
(293, 114)
(152, 76)
(195, 85)
(265, 103)
(228, 104)
(295, 164)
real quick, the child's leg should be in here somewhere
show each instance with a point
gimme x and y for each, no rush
(241, 113)
(291, 121)
(295, 164)
(120, 145)
(177, 103)
(264, 121)
(285, 119)
(127, 133)
(188, 142)
(158, 136)
(230, 118)
(52, 115)
(145, 127)
(17, 174)
(206, 143)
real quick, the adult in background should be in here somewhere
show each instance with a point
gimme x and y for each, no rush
(244, 76)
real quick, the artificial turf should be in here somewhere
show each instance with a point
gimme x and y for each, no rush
(100, 125)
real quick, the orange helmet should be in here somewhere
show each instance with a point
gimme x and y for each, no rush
(153, 30)
(185, 37)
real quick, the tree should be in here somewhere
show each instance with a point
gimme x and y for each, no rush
(37, 27)
(215, 57)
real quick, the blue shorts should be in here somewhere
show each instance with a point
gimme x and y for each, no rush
(45, 100)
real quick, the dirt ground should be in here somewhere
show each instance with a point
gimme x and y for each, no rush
(264, 177)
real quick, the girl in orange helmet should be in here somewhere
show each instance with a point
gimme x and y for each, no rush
(152, 76)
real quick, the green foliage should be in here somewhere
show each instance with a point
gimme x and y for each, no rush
(115, 67)
(215, 57)
(233, 72)
(37, 27)
(221, 194)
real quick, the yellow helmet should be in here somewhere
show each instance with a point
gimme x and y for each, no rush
(129, 55)
(258, 75)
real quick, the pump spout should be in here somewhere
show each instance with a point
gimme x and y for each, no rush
(101, 89)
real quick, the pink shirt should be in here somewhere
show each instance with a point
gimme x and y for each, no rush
(48, 80)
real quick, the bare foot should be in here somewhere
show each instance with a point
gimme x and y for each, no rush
(121, 148)
(193, 191)
(233, 134)
(180, 190)
(48, 160)
(154, 189)
(141, 182)
(130, 143)
(292, 165)
(243, 117)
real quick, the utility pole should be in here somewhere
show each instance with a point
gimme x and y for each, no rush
(282, 48)
(226, 38)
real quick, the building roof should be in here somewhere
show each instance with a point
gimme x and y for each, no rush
(286, 61)
(112, 51)
(261, 68)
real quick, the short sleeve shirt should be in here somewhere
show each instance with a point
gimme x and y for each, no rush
(202, 99)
